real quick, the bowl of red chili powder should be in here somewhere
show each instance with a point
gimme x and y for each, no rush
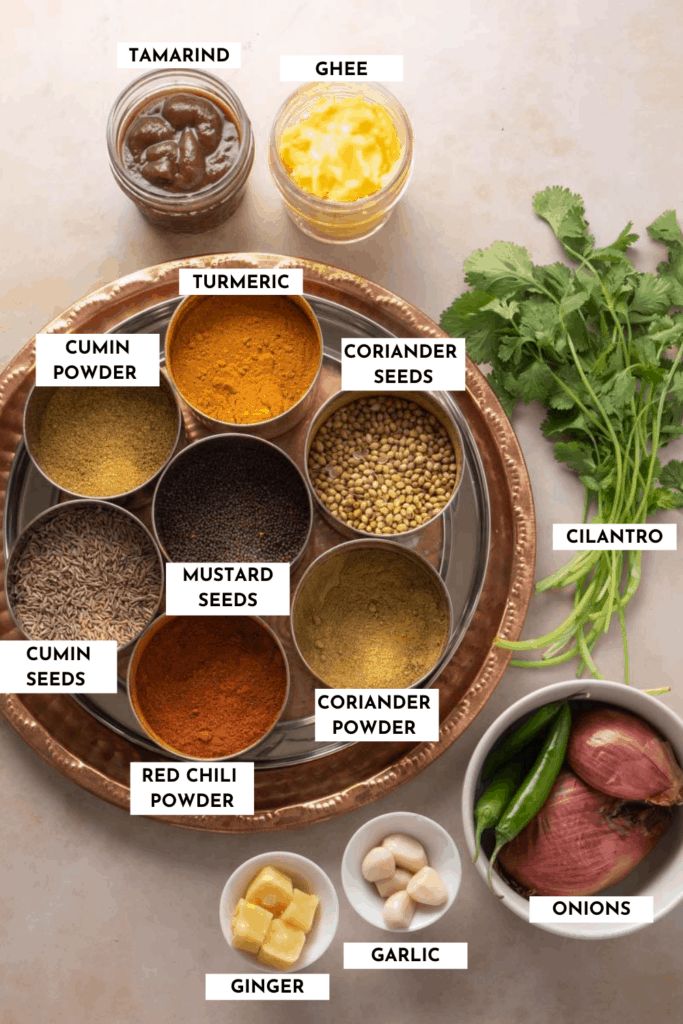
(208, 688)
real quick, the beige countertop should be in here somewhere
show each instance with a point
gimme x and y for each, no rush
(107, 918)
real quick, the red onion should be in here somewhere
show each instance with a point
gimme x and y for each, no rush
(581, 841)
(621, 755)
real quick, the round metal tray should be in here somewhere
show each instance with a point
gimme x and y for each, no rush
(489, 571)
(457, 546)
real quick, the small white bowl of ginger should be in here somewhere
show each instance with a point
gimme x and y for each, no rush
(268, 917)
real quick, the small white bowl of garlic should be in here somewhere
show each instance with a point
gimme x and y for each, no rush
(401, 871)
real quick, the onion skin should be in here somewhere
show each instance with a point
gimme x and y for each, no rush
(619, 754)
(581, 841)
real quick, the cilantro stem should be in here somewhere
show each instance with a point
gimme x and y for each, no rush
(593, 343)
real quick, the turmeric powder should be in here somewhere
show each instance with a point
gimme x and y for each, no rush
(243, 359)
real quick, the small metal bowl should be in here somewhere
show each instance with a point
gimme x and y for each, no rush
(225, 442)
(33, 411)
(427, 402)
(56, 510)
(358, 545)
(140, 648)
(263, 428)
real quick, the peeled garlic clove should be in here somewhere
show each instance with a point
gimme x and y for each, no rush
(399, 880)
(378, 865)
(398, 910)
(408, 853)
(427, 887)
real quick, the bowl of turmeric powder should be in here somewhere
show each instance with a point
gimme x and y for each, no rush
(247, 363)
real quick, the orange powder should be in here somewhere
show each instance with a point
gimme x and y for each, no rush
(243, 359)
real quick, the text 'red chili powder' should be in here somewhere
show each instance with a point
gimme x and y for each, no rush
(208, 688)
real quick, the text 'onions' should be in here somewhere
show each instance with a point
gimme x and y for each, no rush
(621, 755)
(581, 841)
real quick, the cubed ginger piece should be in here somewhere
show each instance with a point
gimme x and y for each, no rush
(282, 946)
(271, 889)
(249, 926)
(301, 910)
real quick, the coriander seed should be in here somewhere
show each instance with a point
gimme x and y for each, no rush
(383, 465)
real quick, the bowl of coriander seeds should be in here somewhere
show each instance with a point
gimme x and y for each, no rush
(383, 464)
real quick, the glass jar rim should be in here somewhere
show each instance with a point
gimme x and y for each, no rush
(234, 176)
(403, 166)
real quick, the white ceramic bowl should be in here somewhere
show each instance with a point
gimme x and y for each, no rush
(307, 876)
(442, 854)
(661, 873)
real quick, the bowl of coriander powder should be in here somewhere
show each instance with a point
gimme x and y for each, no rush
(371, 614)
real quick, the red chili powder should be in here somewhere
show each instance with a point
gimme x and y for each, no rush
(209, 687)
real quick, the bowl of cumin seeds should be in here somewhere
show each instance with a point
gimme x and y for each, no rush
(85, 570)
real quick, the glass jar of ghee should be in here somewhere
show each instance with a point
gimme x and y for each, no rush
(311, 125)
(223, 151)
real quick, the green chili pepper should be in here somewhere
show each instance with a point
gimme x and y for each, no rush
(495, 798)
(520, 737)
(535, 790)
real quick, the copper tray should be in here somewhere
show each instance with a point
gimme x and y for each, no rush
(84, 749)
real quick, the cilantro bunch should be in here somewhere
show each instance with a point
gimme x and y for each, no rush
(598, 343)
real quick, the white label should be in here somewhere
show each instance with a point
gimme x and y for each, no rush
(270, 987)
(97, 360)
(614, 537)
(157, 787)
(241, 281)
(212, 588)
(371, 715)
(411, 956)
(591, 909)
(178, 55)
(341, 67)
(71, 666)
(403, 364)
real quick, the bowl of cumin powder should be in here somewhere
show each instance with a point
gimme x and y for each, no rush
(245, 363)
(103, 442)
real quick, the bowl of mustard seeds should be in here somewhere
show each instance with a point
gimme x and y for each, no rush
(232, 498)
(371, 614)
(102, 442)
(245, 363)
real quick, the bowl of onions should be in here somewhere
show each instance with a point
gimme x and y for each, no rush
(575, 791)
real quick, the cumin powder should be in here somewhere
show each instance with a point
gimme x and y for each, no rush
(102, 442)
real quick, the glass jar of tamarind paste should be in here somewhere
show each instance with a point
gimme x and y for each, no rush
(181, 147)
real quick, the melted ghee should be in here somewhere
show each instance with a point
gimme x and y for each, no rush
(344, 149)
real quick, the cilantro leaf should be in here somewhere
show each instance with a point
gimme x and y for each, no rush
(651, 295)
(501, 270)
(564, 211)
(671, 475)
(467, 317)
(666, 229)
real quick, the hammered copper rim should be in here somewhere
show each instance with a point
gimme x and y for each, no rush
(67, 737)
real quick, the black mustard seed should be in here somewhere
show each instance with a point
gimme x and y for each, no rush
(232, 500)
